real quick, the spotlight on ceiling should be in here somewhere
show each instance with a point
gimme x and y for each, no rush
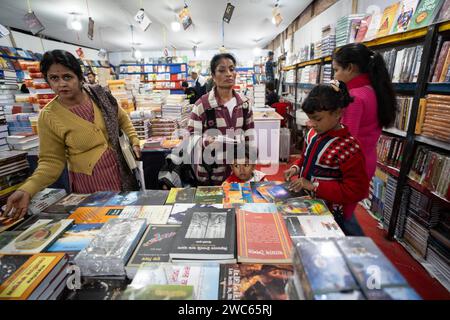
(176, 26)
(74, 22)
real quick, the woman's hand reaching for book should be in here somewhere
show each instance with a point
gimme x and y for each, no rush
(17, 205)
(301, 183)
(289, 173)
(137, 152)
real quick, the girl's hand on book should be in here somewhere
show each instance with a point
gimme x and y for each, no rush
(301, 183)
(289, 173)
(17, 205)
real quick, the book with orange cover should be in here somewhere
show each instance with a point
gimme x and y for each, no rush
(232, 193)
(33, 277)
(262, 238)
(387, 20)
(95, 214)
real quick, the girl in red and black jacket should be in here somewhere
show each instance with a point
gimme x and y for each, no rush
(332, 165)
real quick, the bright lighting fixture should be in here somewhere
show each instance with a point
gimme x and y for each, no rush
(176, 26)
(76, 25)
(256, 51)
(74, 22)
(137, 54)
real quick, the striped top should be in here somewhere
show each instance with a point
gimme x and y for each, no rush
(197, 125)
(105, 175)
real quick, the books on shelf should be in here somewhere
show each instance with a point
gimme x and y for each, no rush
(388, 19)
(404, 15)
(404, 106)
(407, 64)
(390, 150)
(426, 12)
(434, 120)
(45, 198)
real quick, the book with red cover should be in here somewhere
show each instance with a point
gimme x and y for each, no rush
(262, 238)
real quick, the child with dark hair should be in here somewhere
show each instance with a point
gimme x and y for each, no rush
(243, 167)
(332, 166)
(189, 92)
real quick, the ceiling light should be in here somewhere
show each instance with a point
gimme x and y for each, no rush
(138, 54)
(74, 22)
(274, 21)
(176, 26)
(257, 51)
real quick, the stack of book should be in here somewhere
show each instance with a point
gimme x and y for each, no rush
(325, 73)
(416, 234)
(259, 96)
(176, 108)
(120, 90)
(23, 142)
(438, 251)
(390, 150)
(432, 119)
(346, 29)
(14, 169)
(404, 105)
(377, 192)
(341, 269)
(6, 98)
(40, 276)
(163, 127)
(391, 186)
(430, 168)
(328, 41)
(308, 74)
(290, 76)
(7, 72)
(141, 123)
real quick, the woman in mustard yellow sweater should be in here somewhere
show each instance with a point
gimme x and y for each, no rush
(79, 126)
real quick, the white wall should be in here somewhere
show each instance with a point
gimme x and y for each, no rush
(312, 31)
(33, 43)
(244, 57)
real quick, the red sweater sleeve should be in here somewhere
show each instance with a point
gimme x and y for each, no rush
(353, 187)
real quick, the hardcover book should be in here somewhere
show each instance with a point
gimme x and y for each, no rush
(76, 238)
(37, 237)
(254, 281)
(33, 277)
(68, 204)
(203, 277)
(154, 246)
(95, 214)
(138, 198)
(181, 195)
(303, 206)
(152, 214)
(387, 20)
(313, 226)
(262, 238)
(425, 13)
(206, 233)
(97, 199)
(404, 15)
(179, 211)
(209, 195)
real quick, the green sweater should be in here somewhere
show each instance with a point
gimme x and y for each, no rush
(64, 136)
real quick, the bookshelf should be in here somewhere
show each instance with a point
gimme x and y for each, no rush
(164, 76)
(397, 202)
(245, 78)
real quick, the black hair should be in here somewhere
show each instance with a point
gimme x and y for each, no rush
(372, 63)
(270, 53)
(327, 97)
(61, 57)
(270, 86)
(185, 84)
(216, 59)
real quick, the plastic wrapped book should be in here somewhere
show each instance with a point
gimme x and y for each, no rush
(110, 250)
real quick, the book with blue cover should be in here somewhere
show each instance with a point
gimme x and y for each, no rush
(321, 267)
(138, 198)
(369, 265)
(76, 238)
(97, 199)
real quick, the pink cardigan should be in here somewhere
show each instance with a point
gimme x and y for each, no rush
(361, 118)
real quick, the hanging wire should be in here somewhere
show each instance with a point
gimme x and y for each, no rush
(132, 37)
(141, 5)
(223, 33)
(29, 6)
(87, 5)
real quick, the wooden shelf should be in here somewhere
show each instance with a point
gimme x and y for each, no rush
(433, 142)
(308, 63)
(444, 26)
(396, 131)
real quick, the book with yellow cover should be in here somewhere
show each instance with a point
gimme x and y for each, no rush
(95, 214)
(387, 20)
(33, 277)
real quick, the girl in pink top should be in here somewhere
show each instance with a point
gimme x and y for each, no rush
(374, 106)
